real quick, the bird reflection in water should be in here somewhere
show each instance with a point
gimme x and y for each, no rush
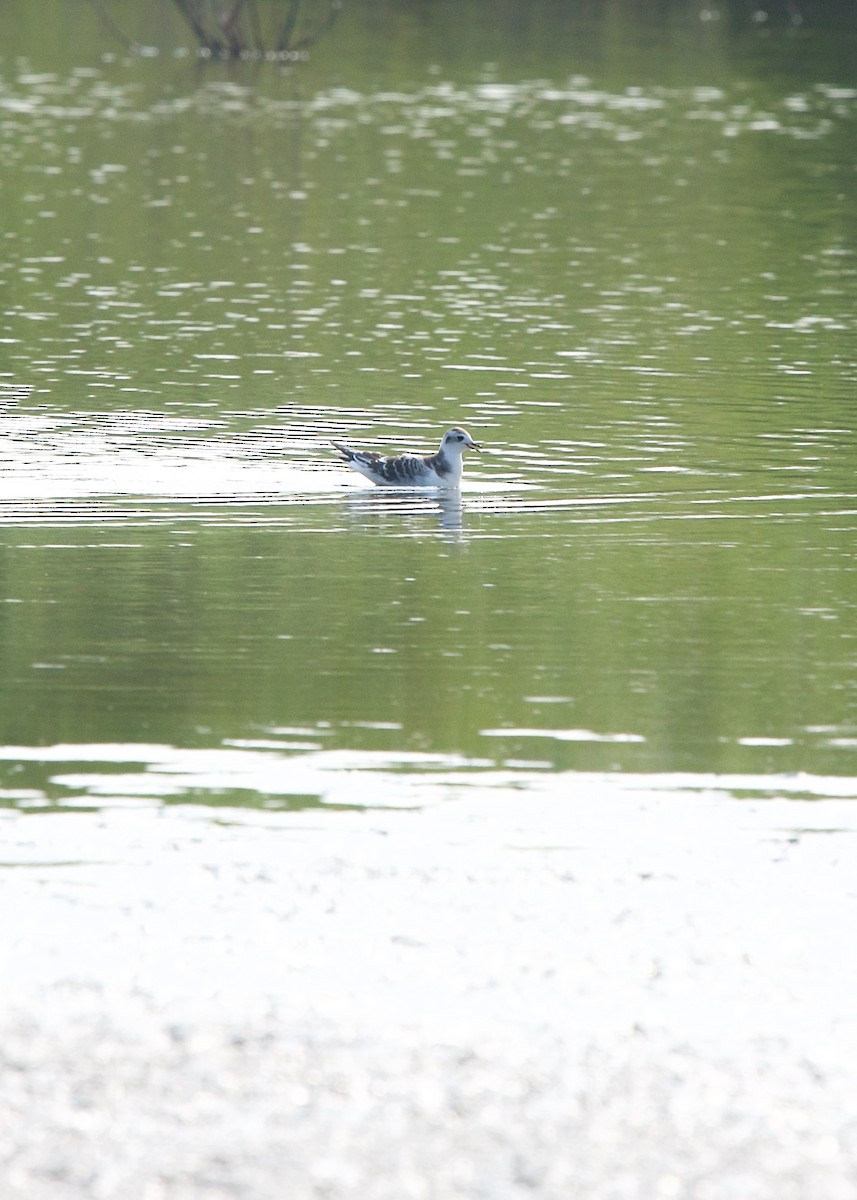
(410, 508)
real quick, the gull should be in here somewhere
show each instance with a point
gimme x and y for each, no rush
(442, 469)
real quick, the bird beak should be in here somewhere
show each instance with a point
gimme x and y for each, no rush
(475, 446)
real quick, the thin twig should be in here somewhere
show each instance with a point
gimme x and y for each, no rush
(288, 26)
(188, 11)
(313, 36)
(256, 26)
(230, 23)
(111, 26)
(233, 40)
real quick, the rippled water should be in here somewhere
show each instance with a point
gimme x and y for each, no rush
(388, 843)
(638, 291)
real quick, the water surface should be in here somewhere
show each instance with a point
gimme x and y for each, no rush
(632, 275)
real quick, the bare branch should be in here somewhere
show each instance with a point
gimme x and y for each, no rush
(288, 26)
(111, 26)
(236, 30)
(189, 11)
(314, 34)
(230, 24)
(256, 25)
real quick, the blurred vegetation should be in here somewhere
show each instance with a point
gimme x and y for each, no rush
(244, 28)
(285, 29)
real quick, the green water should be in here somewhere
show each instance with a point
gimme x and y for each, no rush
(621, 252)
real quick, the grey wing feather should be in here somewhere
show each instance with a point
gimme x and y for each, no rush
(346, 451)
(403, 469)
(368, 457)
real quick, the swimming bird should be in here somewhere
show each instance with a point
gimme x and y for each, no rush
(442, 469)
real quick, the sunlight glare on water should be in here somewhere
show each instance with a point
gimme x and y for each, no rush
(637, 290)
